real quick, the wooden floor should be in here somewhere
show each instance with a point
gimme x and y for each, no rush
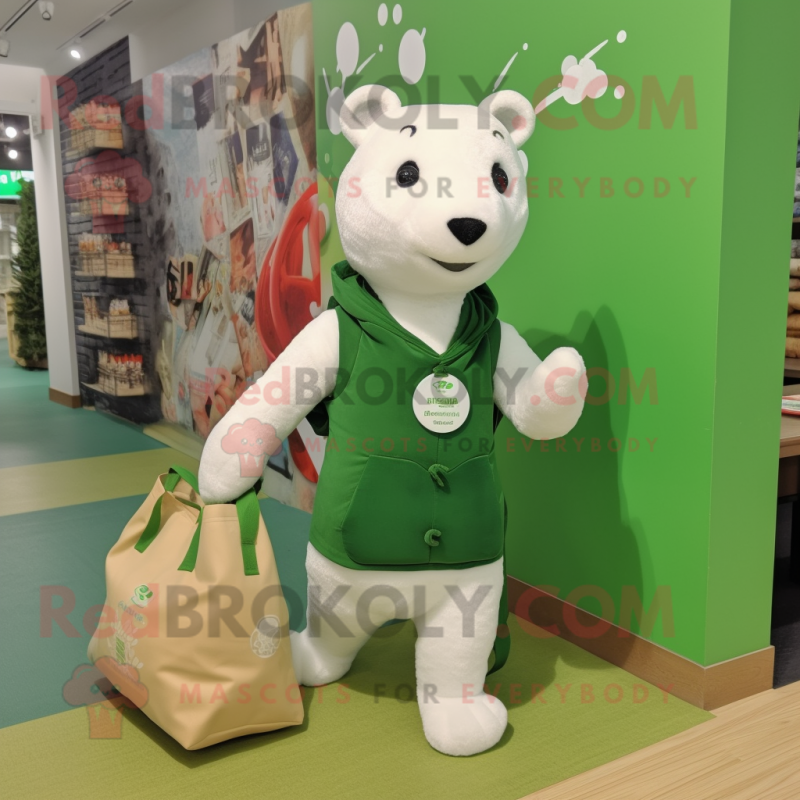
(750, 751)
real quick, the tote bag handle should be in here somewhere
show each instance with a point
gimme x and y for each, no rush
(154, 523)
(247, 511)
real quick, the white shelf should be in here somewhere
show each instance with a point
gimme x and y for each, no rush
(90, 332)
(104, 276)
(95, 387)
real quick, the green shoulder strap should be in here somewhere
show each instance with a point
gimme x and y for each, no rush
(249, 515)
(502, 644)
(494, 349)
(349, 336)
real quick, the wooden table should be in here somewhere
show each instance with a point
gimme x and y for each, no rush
(789, 477)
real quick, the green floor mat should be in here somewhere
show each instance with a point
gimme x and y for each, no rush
(364, 739)
(35, 430)
(66, 548)
(12, 375)
(568, 710)
(37, 487)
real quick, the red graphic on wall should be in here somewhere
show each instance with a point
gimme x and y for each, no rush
(285, 296)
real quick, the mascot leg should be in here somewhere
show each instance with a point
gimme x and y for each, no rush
(334, 633)
(455, 612)
(455, 638)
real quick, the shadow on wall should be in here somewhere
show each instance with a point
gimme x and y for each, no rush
(569, 531)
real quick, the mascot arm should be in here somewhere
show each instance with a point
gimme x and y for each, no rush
(542, 399)
(270, 410)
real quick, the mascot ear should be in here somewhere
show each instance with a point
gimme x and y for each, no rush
(513, 111)
(363, 108)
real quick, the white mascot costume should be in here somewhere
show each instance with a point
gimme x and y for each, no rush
(409, 514)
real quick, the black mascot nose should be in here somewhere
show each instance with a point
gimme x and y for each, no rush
(466, 229)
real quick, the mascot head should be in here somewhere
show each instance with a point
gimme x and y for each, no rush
(434, 199)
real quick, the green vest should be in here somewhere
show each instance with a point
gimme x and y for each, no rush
(392, 494)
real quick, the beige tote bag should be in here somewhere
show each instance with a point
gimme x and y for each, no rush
(195, 629)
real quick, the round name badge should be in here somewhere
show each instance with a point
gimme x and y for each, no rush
(441, 404)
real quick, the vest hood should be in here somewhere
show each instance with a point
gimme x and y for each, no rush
(353, 293)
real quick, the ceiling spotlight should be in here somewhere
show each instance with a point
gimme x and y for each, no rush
(12, 153)
(46, 10)
(4, 47)
(76, 52)
(11, 131)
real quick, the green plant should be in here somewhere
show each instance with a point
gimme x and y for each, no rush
(27, 268)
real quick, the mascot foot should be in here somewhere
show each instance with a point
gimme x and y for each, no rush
(458, 727)
(312, 667)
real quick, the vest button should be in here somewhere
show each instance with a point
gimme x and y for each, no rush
(436, 471)
(432, 537)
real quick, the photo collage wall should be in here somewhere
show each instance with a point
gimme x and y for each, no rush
(227, 188)
(226, 141)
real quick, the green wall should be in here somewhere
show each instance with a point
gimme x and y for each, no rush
(759, 146)
(683, 295)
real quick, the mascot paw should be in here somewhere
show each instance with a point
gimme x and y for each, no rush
(312, 667)
(563, 374)
(462, 727)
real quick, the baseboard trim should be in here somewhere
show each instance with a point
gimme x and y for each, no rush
(705, 687)
(64, 399)
(176, 437)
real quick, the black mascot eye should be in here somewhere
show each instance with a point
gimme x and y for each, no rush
(408, 174)
(499, 178)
